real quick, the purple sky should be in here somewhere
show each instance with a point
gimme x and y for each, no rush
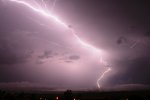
(37, 50)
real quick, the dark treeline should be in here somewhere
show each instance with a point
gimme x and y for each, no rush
(69, 95)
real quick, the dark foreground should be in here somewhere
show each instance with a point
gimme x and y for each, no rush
(71, 95)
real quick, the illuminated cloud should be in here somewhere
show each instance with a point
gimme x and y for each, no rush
(34, 44)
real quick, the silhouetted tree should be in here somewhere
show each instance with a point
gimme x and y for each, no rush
(68, 95)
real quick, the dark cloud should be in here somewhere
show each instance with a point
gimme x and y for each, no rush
(74, 57)
(69, 61)
(8, 56)
(134, 71)
(132, 87)
(121, 40)
(46, 54)
(12, 59)
(25, 85)
(147, 34)
(139, 70)
(68, 57)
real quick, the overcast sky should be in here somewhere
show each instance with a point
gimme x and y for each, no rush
(35, 49)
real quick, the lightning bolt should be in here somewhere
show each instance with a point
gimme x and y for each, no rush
(53, 17)
(102, 76)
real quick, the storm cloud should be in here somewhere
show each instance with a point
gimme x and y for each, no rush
(36, 48)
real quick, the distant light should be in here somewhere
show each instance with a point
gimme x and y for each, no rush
(74, 99)
(40, 98)
(57, 98)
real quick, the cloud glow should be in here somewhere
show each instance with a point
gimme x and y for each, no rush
(57, 20)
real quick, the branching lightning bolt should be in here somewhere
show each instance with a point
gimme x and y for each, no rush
(44, 4)
(53, 17)
(53, 5)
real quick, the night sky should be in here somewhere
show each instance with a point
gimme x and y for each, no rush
(36, 51)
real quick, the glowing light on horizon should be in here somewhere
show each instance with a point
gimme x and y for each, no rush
(57, 98)
(53, 17)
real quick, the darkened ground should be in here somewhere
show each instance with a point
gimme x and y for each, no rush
(74, 95)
